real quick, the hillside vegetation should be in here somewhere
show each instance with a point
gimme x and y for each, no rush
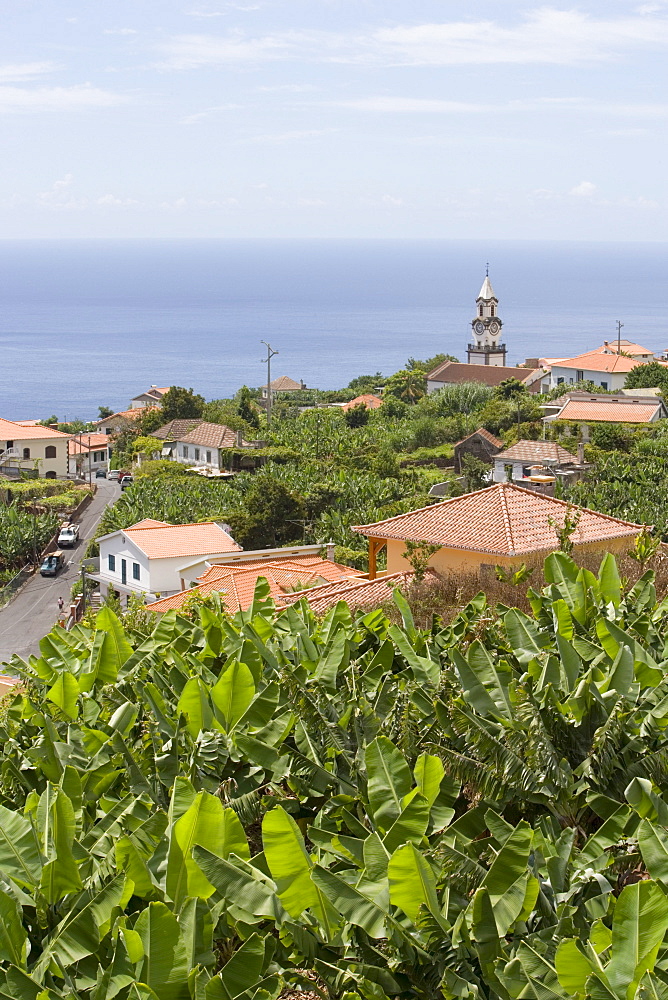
(214, 808)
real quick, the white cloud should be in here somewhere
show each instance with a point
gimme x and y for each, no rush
(79, 98)
(111, 201)
(413, 105)
(585, 189)
(295, 135)
(420, 105)
(208, 112)
(546, 35)
(389, 199)
(23, 72)
(120, 31)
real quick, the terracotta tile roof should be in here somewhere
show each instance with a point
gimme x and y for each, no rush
(482, 432)
(212, 436)
(166, 541)
(614, 410)
(595, 361)
(625, 346)
(503, 519)
(236, 584)
(455, 372)
(176, 430)
(366, 399)
(356, 593)
(286, 384)
(548, 452)
(90, 442)
(155, 391)
(134, 414)
(12, 431)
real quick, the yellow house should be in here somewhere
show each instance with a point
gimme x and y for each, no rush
(501, 525)
(32, 446)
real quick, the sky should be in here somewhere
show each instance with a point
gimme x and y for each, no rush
(334, 118)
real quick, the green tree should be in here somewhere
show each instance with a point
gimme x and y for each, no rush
(510, 388)
(179, 404)
(408, 386)
(145, 446)
(476, 473)
(245, 408)
(357, 416)
(367, 383)
(272, 515)
(104, 411)
(428, 365)
(648, 376)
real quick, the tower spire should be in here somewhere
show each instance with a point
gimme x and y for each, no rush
(485, 348)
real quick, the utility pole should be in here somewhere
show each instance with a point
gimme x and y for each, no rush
(270, 353)
(83, 588)
(619, 336)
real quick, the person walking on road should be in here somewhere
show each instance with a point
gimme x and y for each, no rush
(61, 604)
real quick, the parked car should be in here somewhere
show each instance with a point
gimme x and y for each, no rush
(68, 535)
(126, 481)
(114, 475)
(100, 474)
(52, 564)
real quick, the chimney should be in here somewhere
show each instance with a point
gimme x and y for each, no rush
(581, 452)
(302, 383)
(240, 440)
(330, 551)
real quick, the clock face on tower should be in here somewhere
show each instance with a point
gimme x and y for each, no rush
(493, 327)
(479, 327)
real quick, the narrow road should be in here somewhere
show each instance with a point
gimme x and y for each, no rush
(34, 610)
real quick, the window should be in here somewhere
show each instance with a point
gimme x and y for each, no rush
(197, 454)
(579, 375)
(491, 310)
(10, 444)
(560, 381)
(26, 452)
(185, 451)
(480, 310)
(604, 385)
(135, 571)
(50, 451)
(208, 456)
(112, 563)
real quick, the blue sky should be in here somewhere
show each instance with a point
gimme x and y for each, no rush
(334, 118)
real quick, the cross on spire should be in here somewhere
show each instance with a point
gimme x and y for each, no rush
(487, 269)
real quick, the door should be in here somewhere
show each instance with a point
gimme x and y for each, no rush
(124, 571)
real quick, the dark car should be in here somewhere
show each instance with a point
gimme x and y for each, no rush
(100, 474)
(52, 564)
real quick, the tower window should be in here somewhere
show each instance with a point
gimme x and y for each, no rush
(492, 310)
(480, 310)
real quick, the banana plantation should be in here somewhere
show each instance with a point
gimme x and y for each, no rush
(218, 808)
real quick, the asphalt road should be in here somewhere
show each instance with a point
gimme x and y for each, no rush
(34, 610)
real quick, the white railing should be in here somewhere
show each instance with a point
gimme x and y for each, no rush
(8, 454)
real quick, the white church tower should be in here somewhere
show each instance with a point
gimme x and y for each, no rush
(486, 348)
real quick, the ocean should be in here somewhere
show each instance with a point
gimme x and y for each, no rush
(85, 323)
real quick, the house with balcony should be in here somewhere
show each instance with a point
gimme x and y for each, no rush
(535, 462)
(88, 453)
(152, 397)
(31, 447)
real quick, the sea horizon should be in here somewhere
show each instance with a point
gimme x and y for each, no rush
(90, 322)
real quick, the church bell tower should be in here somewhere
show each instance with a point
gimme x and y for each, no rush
(485, 348)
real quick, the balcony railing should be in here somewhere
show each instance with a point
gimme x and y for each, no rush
(487, 348)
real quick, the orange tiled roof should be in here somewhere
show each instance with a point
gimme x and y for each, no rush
(12, 431)
(176, 430)
(503, 519)
(595, 361)
(539, 451)
(236, 583)
(625, 347)
(133, 414)
(90, 442)
(165, 541)
(483, 432)
(356, 593)
(614, 410)
(366, 399)
(212, 436)
(285, 384)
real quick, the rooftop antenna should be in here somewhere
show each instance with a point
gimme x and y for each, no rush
(619, 336)
(270, 353)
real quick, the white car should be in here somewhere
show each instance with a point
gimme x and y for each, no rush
(68, 536)
(113, 474)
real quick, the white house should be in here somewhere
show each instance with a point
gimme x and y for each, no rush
(30, 446)
(606, 368)
(122, 420)
(519, 462)
(88, 453)
(148, 557)
(204, 444)
(152, 397)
